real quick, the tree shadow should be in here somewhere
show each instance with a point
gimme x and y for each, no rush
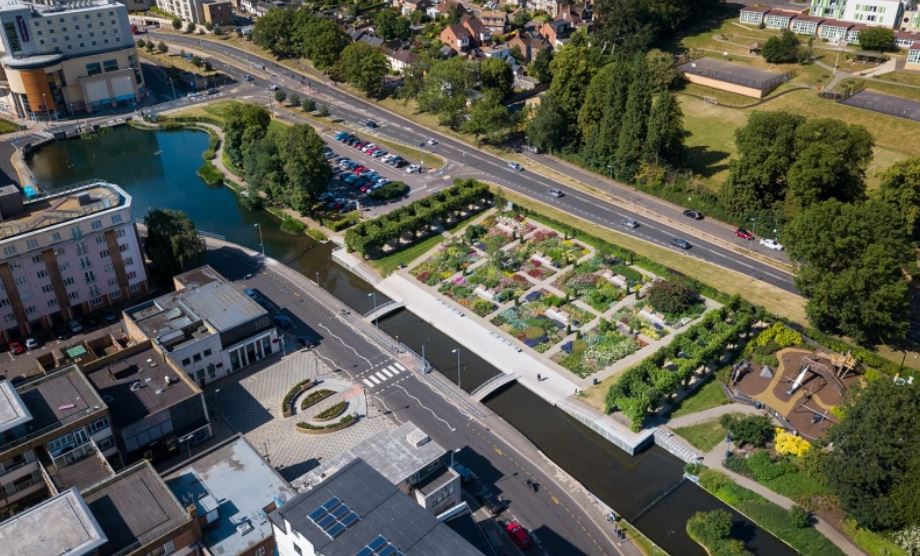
(706, 162)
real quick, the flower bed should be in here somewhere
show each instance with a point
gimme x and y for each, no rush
(598, 349)
(451, 258)
(331, 412)
(546, 246)
(498, 285)
(314, 398)
(461, 291)
(537, 270)
(287, 405)
(538, 324)
(344, 422)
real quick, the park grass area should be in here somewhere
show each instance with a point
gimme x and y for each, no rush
(870, 542)
(902, 76)
(884, 87)
(7, 126)
(386, 265)
(213, 111)
(775, 300)
(704, 436)
(706, 397)
(172, 60)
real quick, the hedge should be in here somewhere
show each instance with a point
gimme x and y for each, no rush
(295, 391)
(370, 236)
(293, 226)
(347, 221)
(392, 190)
(331, 412)
(343, 423)
(314, 398)
(641, 389)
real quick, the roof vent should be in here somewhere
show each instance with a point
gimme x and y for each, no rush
(135, 386)
(158, 391)
(243, 527)
(417, 438)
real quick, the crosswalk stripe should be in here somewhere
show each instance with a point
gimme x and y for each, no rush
(394, 369)
(399, 366)
(380, 375)
(375, 379)
(387, 372)
(369, 383)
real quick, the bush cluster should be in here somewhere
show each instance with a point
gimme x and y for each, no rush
(713, 531)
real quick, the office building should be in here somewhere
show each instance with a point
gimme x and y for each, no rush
(66, 58)
(357, 511)
(885, 13)
(218, 12)
(232, 490)
(207, 326)
(65, 255)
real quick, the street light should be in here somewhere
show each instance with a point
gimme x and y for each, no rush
(373, 295)
(262, 243)
(457, 351)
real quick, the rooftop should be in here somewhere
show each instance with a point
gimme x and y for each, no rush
(136, 386)
(134, 507)
(729, 72)
(63, 207)
(75, 531)
(13, 412)
(382, 511)
(83, 473)
(396, 454)
(236, 480)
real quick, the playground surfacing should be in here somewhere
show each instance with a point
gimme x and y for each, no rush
(816, 395)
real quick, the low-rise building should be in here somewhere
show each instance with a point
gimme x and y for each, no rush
(199, 12)
(456, 37)
(76, 531)
(913, 56)
(778, 19)
(805, 25)
(65, 255)
(208, 327)
(495, 21)
(218, 13)
(357, 510)
(232, 490)
(477, 31)
(881, 13)
(400, 59)
(731, 77)
(529, 43)
(834, 30)
(753, 15)
(556, 32)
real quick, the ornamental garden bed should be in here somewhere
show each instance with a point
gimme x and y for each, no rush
(547, 247)
(495, 284)
(543, 322)
(331, 412)
(585, 282)
(464, 294)
(315, 397)
(631, 319)
(451, 258)
(287, 405)
(596, 350)
(344, 422)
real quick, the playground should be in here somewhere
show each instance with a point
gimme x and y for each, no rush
(803, 390)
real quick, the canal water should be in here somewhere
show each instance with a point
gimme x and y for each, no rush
(158, 169)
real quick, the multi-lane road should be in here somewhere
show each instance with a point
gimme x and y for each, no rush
(711, 241)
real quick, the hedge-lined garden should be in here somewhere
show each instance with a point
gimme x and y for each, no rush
(409, 224)
(643, 388)
(342, 423)
(287, 408)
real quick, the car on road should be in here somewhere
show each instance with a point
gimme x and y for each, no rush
(744, 234)
(371, 124)
(282, 322)
(531, 149)
(247, 77)
(556, 193)
(630, 223)
(771, 244)
(515, 166)
(16, 348)
(680, 243)
(272, 87)
(414, 169)
(32, 343)
(519, 535)
(694, 214)
(432, 142)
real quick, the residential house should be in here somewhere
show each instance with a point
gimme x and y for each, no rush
(529, 43)
(456, 37)
(400, 58)
(408, 7)
(778, 19)
(805, 25)
(753, 15)
(913, 57)
(445, 9)
(556, 32)
(549, 6)
(495, 21)
(478, 32)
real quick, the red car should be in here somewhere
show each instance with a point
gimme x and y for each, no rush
(744, 234)
(17, 348)
(361, 169)
(519, 535)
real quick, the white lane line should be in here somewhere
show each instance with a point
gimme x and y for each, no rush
(387, 372)
(374, 379)
(379, 375)
(369, 383)
(423, 406)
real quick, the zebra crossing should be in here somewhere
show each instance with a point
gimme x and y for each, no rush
(393, 371)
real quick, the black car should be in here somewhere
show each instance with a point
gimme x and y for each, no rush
(494, 504)
(372, 124)
(61, 332)
(694, 214)
(680, 243)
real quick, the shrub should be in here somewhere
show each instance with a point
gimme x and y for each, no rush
(693, 468)
(782, 49)
(210, 174)
(756, 430)
(713, 531)
(308, 104)
(672, 298)
(293, 226)
(775, 337)
(331, 412)
(392, 190)
(310, 428)
(799, 517)
(314, 398)
(877, 38)
(787, 443)
(349, 220)
(286, 408)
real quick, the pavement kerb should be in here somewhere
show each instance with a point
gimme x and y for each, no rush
(668, 221)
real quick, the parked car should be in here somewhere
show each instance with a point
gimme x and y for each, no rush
(75, 326)
(414, 169)
(272, 87)
(694, 214)
(16, 348)
(251, 293)
(378, 153)
(61, 331)
(630, 223)
(32, 343)
(680, 243)
(515, 166)
(247, 77)
(556, 193)
(519, 535)
(744, 234)
(367, 148)
(771, 244)
(341, 135)
(494, 504)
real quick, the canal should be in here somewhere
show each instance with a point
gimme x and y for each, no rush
(158, 169)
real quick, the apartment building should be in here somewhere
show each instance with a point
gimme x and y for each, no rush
(200, 12)
(66, 58)
(56, 433)
(65, 255)
(886, 13)
(208, 327)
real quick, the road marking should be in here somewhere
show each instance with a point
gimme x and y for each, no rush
(388, 373)
(555, 500)
(380, 375)
(369, 383)
(399, 366)
(394, 369)
(375, 380)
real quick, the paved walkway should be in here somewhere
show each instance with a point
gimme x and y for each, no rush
(712, 413)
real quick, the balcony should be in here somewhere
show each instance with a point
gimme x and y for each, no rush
(81, 467)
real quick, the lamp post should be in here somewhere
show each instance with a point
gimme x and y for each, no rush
(261, 243)
(457, 351)
(373, 295)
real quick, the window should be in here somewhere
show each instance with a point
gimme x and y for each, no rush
(110, 65)
(9, 250)
(98, 425)
(41, 274)
(37, 259)
(81, 248)
(208, 352)
(85, 262)
(116, 218)
(30, 310)
(10, 32)
(68, 281)
(186, 362)
(52, 303)
(297, 549)
(94, 68)
(64, 266)
(32, 243)
(73, 295)
(56, 236)
(115, 294)
(96, 224)
(112, 281)
(196, 358)
(128, 261)
(47, 288)
(100, 239)
(104, 253)
(122, 247)
(90, 276)
(132, 275)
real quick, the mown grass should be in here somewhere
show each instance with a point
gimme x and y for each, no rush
(870, 542)
(7, 126)
(706, 397)
(704, 436)
(386, 265)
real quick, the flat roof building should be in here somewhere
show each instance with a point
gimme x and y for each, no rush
(731, 77)
(207, 326)
(60, 526)
(357, 511)
(233, 490)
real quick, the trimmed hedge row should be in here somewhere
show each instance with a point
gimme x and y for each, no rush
(331, 412)
(343, 423)
(370, 236)
(287, 404)
(314, 398)
(644, 387)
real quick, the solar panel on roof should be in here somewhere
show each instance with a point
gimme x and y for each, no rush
(333, 517)
(349, 519)
(332, 503)
(336, 530)
(316, 514)
(387, 550)
(365, 552)
(377, 543)
(340, 511)
(326, 522)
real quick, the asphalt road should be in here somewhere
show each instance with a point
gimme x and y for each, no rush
(480, 164)
(555, 518)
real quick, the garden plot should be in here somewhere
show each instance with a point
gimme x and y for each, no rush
(496, 231)
(451, 258)
(546, 247)
(542, 321)
(594, 284)
(597, 349)
(632, 319)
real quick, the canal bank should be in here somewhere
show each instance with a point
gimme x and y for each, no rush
(158, 169)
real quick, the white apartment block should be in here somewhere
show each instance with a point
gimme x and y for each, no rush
(883, 13)
(66, 58)
(66, 255)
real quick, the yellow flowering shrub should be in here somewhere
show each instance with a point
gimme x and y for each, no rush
(787, 443)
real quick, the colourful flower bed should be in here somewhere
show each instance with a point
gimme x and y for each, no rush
(583, 281)
(598, 349)
(450, 259)
(502, 285)
(537, 270)
(557, 251)
(536, 323)
(462, 291)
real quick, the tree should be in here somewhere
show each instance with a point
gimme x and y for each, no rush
(244, 124)
(176, 23)
(850, 261)
(280, 95)
(665, 137)
(209, 25)
(218, 32)
(161, 46)
(307, 171)
(540, 67)
(190, 27)
(322, 41)
(172, 244)
(631, 25)
(713, 530)
(264, 170)
(294, 100)
(391, 26)
(880, 39)
(757, 175)
(662, 72)
(782, 49)
(489, 118)
(673, 298)
(273, 31)
(572, 67)
(308, 104)
(496, 78)
(547, 129)
(364, 67)
(141, 43)
(322, 111)
(831, 159)
(756, 430)
(900, 188)
(874, 467)
(631, 140)
(444, 91)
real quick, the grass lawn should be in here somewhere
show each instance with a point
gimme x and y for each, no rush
(710, 395)
(886, 87)
(704, 436)
(872, 543)
(7, 126)
(388, 264)
(215, 110)
(902, 76)
(174, 60)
